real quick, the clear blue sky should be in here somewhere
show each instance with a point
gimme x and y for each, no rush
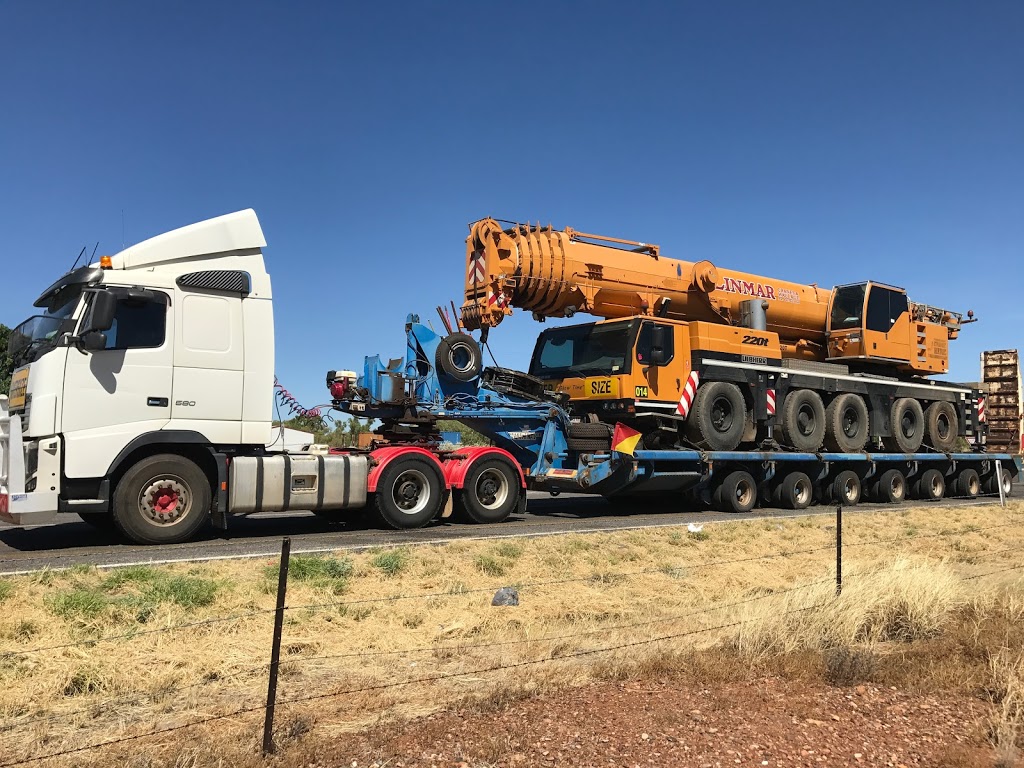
(822, 142)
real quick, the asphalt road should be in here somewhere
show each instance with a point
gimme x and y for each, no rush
(68, 541)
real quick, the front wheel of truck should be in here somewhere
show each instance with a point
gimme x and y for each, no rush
(162, 499)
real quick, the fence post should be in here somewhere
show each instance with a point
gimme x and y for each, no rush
(999, 482)
(839, 550)
(275, 651)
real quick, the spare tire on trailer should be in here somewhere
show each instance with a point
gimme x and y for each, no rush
(458, 357)
(588, 436)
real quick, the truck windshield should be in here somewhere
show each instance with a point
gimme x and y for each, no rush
(39, 331)
(847, 307)
(595, 349)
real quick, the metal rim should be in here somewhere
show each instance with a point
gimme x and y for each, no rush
(491, 489)
(744, 492)
(460, 357)
(974, 485)
(850, 421)
(936, 485)
(896, 486)
(411, 492)
(943, 426)
(802, 489)
(165, 500)
(850, 490)
(722, 414)
(908, 423)
(805, 421)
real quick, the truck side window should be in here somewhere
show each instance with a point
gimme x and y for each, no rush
(138, 325)
(884, 308)
(645, 340)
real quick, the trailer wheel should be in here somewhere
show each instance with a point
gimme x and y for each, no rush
(930, 486)
(410, 492)
(803, 420)
(906, 421)
(588, 436)
(794, 492)
(458, 357)
(718, 416)
(967, 484)
(846, 424)
(991, 485)
(491, 491)
(891, 487)
(941, 426)
(736, 493)
(162, 499)
(846, 489)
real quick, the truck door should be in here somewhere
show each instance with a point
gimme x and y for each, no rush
(117, 393)
(887, 324)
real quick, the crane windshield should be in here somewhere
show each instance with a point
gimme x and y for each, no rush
(594, 349)
(847, 307)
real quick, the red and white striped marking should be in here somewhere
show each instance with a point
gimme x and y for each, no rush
(689, 392)
(477, 267)
(981, 410)
(497, 298)
(771, 402)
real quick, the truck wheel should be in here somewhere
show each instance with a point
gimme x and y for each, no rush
(890, 488)
(930, 486)
(967, 484)
(490, 493)
(846, 424)
(736, 493)
(458, 357)
(163, 499)
(941, 426)
(846, 489)
(906, 421)
(588, 436)
(794, 492)
(991, 485)
(410, 492)
(803, 420)
(717, 419)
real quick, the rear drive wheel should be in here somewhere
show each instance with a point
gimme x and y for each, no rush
(846, 489)
(906, 421)
(803, 420)
(846, 424)
(410, 492)
(890, 488)
(163, 499)
(491, 491)
(941, 426)
(736, 493)
(967, 484)
(718, 417)
(795, 491)
(930, 486)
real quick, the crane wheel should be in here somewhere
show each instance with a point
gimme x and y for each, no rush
(846, 489)
(410, 492)
(941, 426)
(718, 417)
(736, 493)
(458, 357)
(930, 486)
(794, 492)
(490, 493)
(803, 420)
(967, 484)
(846, 424)
(890, 488)
(906, 421)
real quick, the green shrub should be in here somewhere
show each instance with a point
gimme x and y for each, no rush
(392, 562)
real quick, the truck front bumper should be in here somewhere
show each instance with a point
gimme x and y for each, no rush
(27, 508)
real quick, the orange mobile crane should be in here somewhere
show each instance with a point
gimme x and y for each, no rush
(694, 355)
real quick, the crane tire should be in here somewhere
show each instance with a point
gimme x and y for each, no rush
(846, 489)
(410, 492)
(162, 499)
(490, 492)
(794, 492)
(941, 426)
(736, 493)
(890, 488)
(803, 420)
(458, 357)
(718, 417)
(846, 424)
(906, 422)
(967, 484)
(930, 486)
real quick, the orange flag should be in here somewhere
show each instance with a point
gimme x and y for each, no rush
(624, 439)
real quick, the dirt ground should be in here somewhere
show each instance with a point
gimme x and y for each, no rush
(763, 722)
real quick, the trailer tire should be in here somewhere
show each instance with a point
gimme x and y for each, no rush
(410, 492)
(941, 426)
(588, 436)
(794, 492)
(490, 492)
(991, 485)
(930, 486)
(736, 493)
(846, 490)
(967, 484)
(162, 499)
(846, 424)
(890, 488)
(803, 420)
(718, 417)
(906, 422)
(458, 357)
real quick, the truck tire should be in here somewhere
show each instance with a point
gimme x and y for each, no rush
(458, 357)
(736, 493)
(803, 420)
(846, 490)
(967, 484)
(588, 436)
(491, 491)
(941, 426)
(930, 486)
(410, 492)
(718, 417)
(906, 421)
(846, 424)
(794, 492)
(162, 499)
(991, 485)
(890, 488)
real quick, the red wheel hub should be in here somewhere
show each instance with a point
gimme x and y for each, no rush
(165, 500)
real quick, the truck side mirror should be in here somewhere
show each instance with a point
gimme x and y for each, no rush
(101, 315)
(658, 344)
(93, 341)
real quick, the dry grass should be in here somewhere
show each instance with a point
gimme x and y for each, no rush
(906, 617)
